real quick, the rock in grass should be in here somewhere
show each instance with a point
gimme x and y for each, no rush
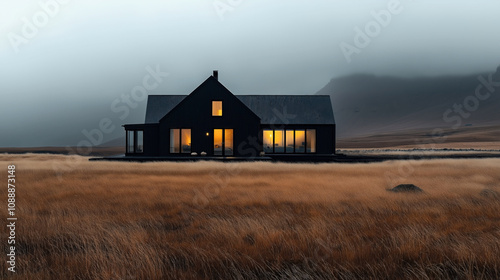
(488, 193)
(406, 188)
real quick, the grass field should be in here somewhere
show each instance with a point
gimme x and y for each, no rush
(207, 220)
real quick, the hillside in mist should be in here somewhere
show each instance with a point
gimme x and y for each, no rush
(368, 104)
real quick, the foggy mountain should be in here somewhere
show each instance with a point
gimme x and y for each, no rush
(368, 104)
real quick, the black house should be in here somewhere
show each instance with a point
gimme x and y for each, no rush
(213, 122)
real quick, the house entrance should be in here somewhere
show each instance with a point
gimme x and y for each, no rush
(223, 142)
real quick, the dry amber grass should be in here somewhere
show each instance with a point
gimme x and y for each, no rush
(207, 220)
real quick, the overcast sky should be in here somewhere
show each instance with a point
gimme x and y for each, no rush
(63, 65)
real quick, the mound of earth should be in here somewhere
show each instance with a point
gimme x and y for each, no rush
(406, 188)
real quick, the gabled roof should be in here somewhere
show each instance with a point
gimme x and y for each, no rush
(159, 105)
(211, 86)
(290, 109)
(271, 109)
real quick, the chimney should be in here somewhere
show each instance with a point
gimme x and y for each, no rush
(216, 75)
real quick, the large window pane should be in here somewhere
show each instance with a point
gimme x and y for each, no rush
(174, 141)
(267, 141)
(300, 141)
(279, 141)
(186, 141)
(311, 140)
(130, 141)
(289, 141)
(216, 108)
(140, 142)
(228, 142)
(218, 142)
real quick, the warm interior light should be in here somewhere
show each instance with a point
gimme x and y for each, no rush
(217, 108)
(208, 133)
(268, 141)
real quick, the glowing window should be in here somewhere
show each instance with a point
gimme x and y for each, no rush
(289, 141)
(217, 108)
(279, 141)
(311, 140)
(186, 141)
(228, 142)
(175, 141)
(218, 142)
(180, 141)
(300, 141)
(267, 141)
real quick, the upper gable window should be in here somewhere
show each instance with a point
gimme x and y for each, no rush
(217, 108)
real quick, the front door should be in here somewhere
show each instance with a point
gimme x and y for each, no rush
(223, 142)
